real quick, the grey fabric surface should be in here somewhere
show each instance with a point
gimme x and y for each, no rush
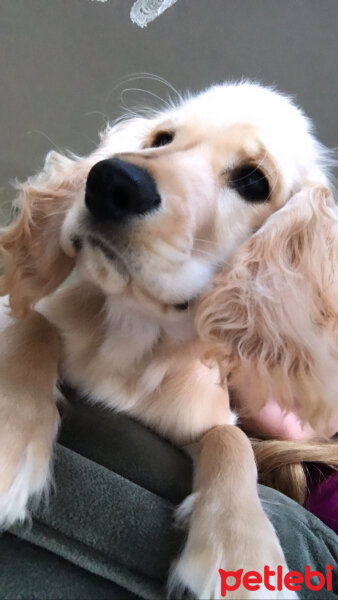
(29, 572)
(126, 447)
(105, 524)
(116, 529)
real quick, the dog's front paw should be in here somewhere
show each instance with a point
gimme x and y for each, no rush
(232, 561)
(24, 468)
(205, 572)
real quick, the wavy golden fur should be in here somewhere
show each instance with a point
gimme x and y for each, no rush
(34, 264)
(272, 315)
(283, 465)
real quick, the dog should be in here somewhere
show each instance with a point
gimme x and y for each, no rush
(205, 239)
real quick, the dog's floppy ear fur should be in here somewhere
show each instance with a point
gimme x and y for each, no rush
(33, 261)
(34, 264)
(272, 316)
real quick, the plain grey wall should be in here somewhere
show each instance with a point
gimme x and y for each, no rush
(62, 62)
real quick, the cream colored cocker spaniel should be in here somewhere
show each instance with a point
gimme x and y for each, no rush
(231, 183)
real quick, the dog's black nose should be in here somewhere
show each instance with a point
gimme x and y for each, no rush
(117, 190)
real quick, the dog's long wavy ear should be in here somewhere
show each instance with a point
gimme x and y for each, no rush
(272, 317)
(33, 263)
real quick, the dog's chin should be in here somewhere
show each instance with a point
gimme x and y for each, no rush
(113, 281)
(101, 264)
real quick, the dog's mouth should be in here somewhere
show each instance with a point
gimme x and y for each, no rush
(114, 257)
(109, 251)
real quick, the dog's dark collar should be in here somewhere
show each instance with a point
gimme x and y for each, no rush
(182, 305)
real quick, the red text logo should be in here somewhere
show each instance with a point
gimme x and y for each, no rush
(272, 580)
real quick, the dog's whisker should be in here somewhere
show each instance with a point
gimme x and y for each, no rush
(98, 113)
(203, 252)
(151, 77)
(211, 242)
(43, 134)
(148, 92)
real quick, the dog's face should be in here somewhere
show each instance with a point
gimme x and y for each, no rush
(198, 180)
(169, 198)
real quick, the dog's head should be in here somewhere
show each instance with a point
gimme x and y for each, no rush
(163, 202)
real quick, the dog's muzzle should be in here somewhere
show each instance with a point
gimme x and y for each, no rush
(117, 190)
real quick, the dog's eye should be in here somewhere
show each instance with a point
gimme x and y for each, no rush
(162, 138)
(251, 183)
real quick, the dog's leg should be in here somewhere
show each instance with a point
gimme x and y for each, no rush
(28, 416)
(228, 528)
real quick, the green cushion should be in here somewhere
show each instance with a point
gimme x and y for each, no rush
(128, 448)
(29, 571)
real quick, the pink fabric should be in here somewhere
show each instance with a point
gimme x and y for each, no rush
(272, 422)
